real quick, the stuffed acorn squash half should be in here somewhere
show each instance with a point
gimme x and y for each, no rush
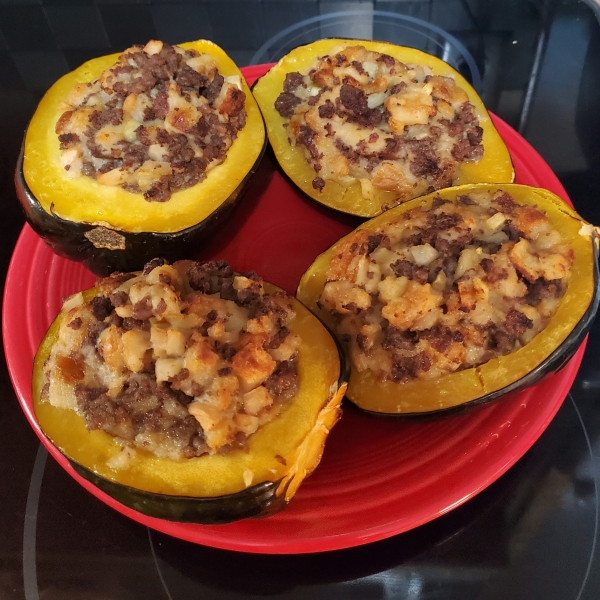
(457, 298)
(139, 155)
(189, 392)
(361, 126)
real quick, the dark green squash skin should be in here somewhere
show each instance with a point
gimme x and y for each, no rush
(68, 238)
(552, 364)
(260, 500)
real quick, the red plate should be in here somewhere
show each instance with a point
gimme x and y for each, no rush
(379, 477)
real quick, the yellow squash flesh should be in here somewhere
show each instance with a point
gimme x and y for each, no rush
(421, 396)
(494, 166)
(84, 200)
(296, 437)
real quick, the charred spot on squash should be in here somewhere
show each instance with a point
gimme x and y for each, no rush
(102, 237)
(215, 488)
(359, 196)
(544, 354)
(65, 212)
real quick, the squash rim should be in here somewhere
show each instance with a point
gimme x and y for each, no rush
(482, 375)
(324, 413)
(92, 203)
(494, 167)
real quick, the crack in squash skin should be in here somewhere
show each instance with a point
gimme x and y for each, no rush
(545, 354)
(494, 166)
(212, 488)
(63, 210)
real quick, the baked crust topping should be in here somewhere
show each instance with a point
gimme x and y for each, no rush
(359, 115)
(181, 360)
(446, 288)
(154, 123)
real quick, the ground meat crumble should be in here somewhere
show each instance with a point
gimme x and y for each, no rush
(445, 288)
(154, 123)
(364, 116)
(181, 360)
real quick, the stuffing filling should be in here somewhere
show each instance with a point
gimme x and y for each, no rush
(446, 288)
(154, 123)
(362, 116)
(181, 360)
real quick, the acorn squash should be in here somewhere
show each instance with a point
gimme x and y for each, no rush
(212, 488)
(111, 229)
(545, 353)
(494, 166)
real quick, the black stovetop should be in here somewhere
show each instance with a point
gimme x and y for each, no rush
(533, 534)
